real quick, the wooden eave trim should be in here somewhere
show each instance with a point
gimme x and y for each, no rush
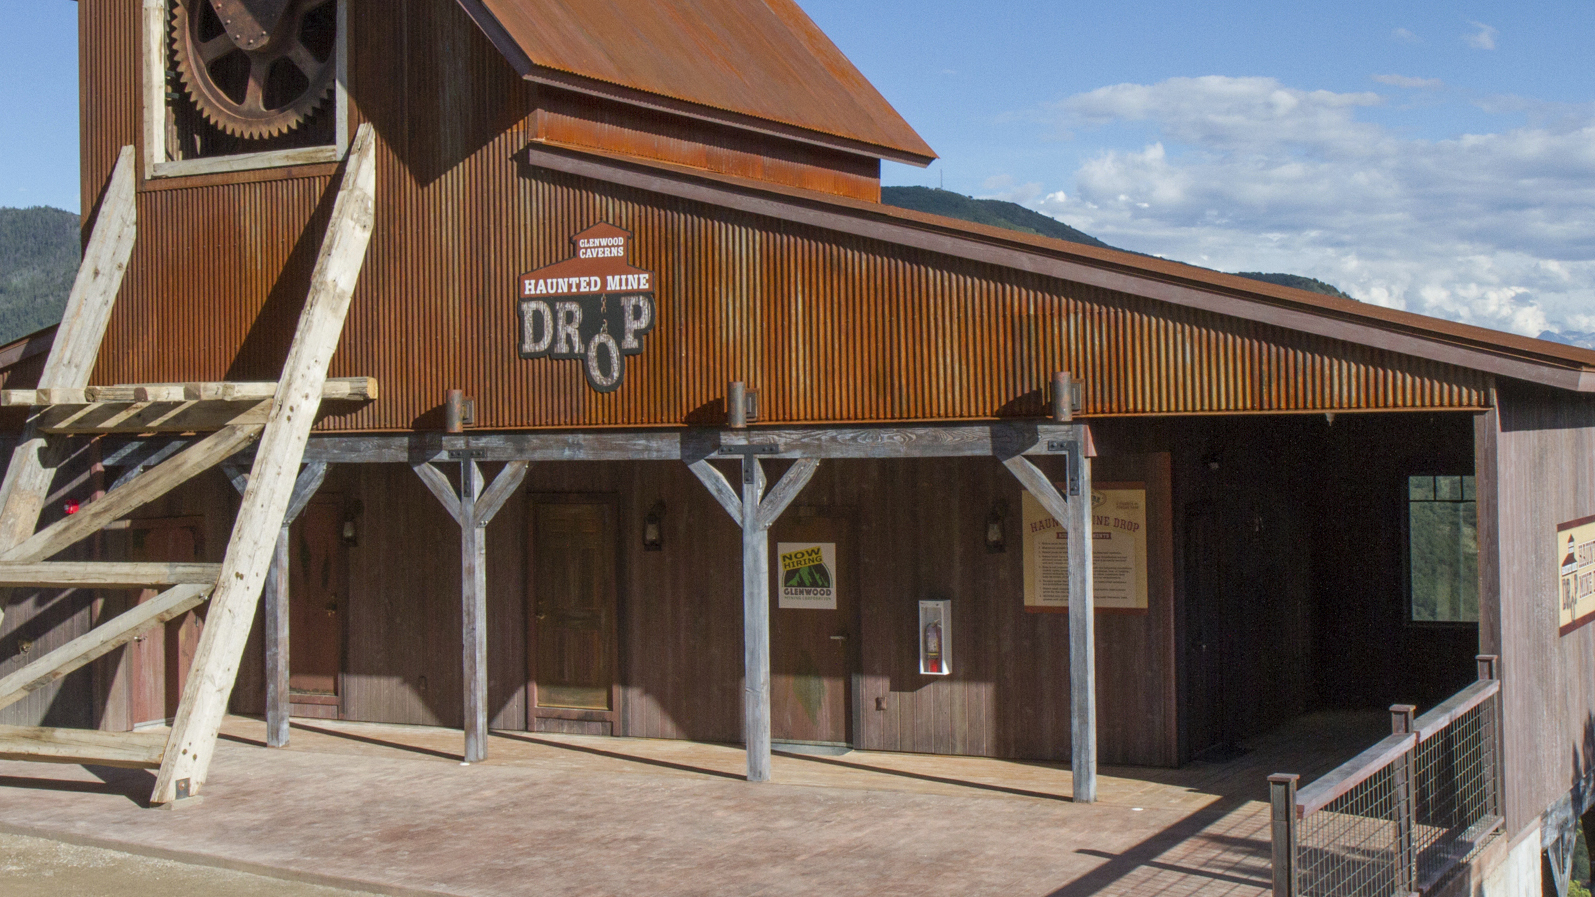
(1106, 274)
(551, 77)
(27, 347)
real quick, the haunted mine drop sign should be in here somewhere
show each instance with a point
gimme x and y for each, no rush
(594, 307)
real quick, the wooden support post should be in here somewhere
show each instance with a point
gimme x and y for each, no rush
(75, 349)
(473, 509)
(282, 446)
(755, 513)
(1282, 798)
(473, 612)
(755, 623)
(276, 597)
(1074, 513)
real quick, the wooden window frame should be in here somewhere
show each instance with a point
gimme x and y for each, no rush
(155, 53)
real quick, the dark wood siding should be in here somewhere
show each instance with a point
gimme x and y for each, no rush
(1541, 451)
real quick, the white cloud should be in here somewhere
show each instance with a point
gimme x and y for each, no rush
(1484, 39)
(1246, 174)
(1405, 36)
(1413, 83)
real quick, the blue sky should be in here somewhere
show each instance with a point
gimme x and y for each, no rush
(1438, 157)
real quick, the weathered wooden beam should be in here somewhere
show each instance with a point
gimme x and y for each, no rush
(1074, 514)
(473, 611)
(151, 417)
(282, 446)
(89, 747)
(278, 648)
(75, 348)
(719, 487)
(142, 490)
(504, 485)
(792, 482)
(107, 574)
(957, 440)
(437, 482)
(107, 637)
(473, 508)
(755, 623)
(336, 389)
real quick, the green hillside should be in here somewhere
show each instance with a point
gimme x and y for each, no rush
(994, 212)
(39, 252)
(1013, 216)
(1311, 285)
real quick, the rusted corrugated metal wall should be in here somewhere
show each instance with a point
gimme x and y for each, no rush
(827, 327)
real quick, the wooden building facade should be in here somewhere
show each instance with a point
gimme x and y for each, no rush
(735, 168)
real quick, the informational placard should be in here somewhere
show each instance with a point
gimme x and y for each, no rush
(1118, 547)
(1575, 547)
(808, 575)
(935, 637)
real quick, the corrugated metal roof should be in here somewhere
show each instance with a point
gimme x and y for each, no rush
(760, 58)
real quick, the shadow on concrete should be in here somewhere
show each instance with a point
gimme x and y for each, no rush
(646, 761)
(960, 783)
(363, 739)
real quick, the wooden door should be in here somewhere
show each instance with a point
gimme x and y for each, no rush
(1206, 633)
(158, 661)
(318, 580)
(812, 650)
(571, 619)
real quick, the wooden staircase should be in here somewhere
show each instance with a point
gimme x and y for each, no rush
(274, 417)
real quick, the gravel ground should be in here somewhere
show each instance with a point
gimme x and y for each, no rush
(34, 867)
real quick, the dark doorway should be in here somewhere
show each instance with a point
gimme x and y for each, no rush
(571, 620)
(813, 650)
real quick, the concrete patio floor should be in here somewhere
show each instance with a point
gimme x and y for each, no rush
(390, 809)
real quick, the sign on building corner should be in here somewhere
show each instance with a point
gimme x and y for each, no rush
(593, 307)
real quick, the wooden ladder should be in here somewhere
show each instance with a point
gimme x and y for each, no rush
(278, 416)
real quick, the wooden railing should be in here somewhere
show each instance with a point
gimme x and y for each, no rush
(1396, 818)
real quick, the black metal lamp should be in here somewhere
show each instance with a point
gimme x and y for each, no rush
(996, 538)
(653, 524)
(349, 529)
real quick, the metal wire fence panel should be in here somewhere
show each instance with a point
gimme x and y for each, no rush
(1400, 815)
(1455, 803)
(1352, 847)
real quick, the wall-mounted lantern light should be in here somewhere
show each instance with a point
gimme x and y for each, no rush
(349, 530)
(996, 538)
(653, 525)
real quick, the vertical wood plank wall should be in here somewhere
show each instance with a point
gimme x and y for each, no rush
(1543, 448)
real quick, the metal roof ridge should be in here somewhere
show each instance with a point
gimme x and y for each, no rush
(792, 75)
(1574, 367)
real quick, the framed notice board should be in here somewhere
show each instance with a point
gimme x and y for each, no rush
(1119, 551)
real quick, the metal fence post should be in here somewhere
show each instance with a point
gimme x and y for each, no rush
(1282, 796)
(1403, 776)
(1490, 668)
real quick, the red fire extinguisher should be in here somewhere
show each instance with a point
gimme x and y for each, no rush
(933, 648)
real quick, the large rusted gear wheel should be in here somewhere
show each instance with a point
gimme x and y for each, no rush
(256, 68)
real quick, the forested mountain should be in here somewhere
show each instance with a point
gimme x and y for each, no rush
(1013, 216)
(39, 253)
(1310, 284)
(994, 212)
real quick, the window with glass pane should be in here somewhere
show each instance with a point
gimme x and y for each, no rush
(1443, 544)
